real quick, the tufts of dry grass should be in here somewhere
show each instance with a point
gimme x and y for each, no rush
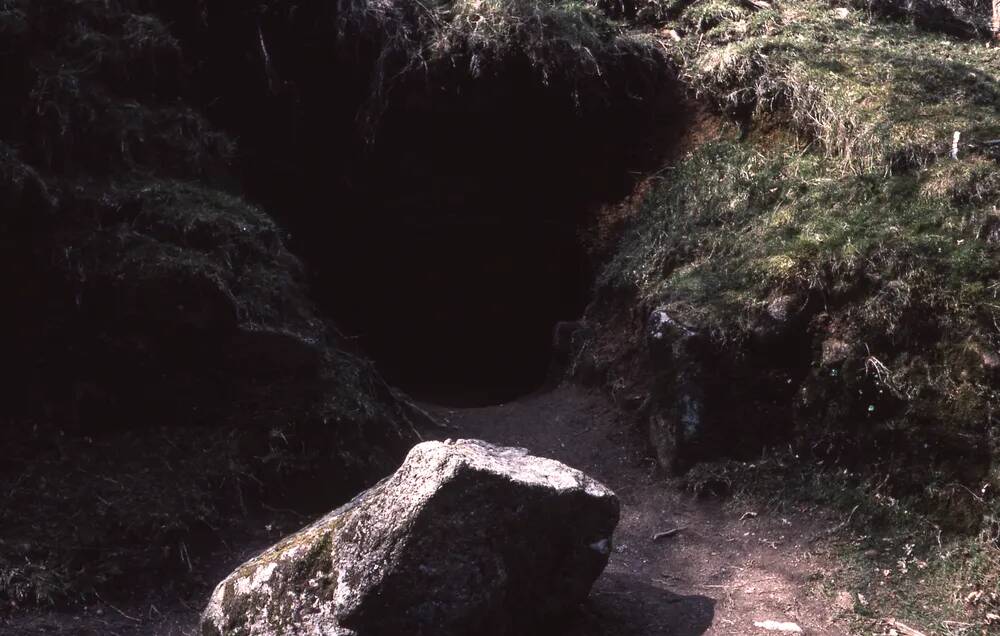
(876, 96)
(570, 43)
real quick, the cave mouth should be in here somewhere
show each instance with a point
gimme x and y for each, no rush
(438, 208)
(447, 248)
(456, 306)
(459, 247)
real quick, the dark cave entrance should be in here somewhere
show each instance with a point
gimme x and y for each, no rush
(461, 244)
(458, 246)
(446, 248)
(449, 248)
(457, 304)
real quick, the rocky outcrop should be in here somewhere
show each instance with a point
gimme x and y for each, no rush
(465, 538)
(678, 352)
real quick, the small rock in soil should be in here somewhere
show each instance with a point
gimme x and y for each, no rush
(778, 626)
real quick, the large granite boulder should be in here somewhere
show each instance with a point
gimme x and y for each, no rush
(465, 538)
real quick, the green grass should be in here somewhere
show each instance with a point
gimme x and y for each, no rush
(736, 222)
(877, 96)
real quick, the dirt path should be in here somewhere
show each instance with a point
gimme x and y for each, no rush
(718, 575)
(721, 572)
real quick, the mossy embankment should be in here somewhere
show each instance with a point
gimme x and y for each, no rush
(817, 274)
(820, 206)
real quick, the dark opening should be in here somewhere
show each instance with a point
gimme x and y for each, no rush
(457, 247)
(460, 249)
(448, 246)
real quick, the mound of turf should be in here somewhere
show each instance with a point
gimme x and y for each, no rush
(836, 256)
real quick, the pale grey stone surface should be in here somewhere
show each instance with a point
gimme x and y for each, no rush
(465, 538)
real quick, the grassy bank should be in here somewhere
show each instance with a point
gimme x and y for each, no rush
(834, 248)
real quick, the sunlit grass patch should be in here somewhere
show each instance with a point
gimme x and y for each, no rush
(877, 96)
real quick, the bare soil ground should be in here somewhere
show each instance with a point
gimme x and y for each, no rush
(727, 567)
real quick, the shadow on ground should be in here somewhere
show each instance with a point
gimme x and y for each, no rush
(623, 605)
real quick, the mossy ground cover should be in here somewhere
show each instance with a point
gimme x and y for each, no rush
(737, 222)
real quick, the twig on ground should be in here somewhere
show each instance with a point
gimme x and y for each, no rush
(843, 524)
(837, 528)
(668, 533)
(131, 618)
(902, 629)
